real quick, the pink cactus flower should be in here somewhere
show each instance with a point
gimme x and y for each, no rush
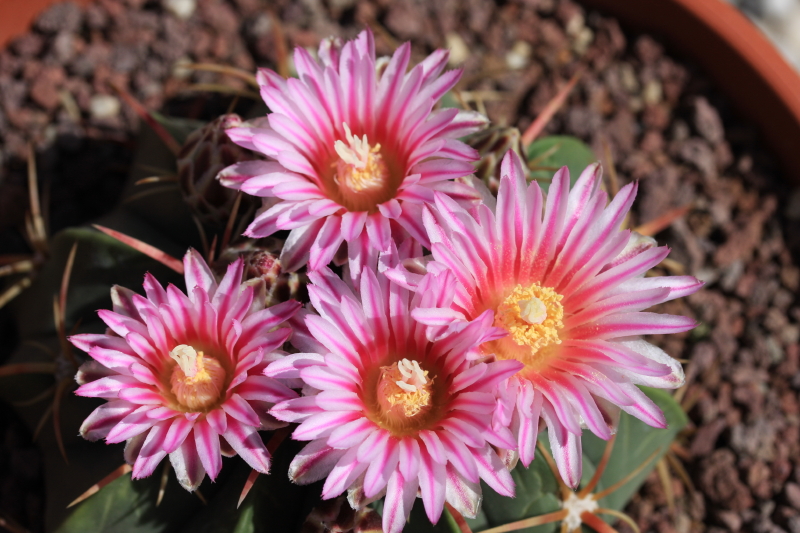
(567, 285)
(388, 411)
(355, 149)
(183, 375)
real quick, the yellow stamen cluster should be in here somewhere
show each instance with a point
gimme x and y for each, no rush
(532, 316)
(197, 379)
(404, 388)
(360, 166)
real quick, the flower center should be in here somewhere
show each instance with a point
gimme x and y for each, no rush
(361, 167)
(532, 317)
(575, 507)
(404, 390)
(196, 380)
(361, 176)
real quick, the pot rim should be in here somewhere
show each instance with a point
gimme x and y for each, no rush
(17, 16)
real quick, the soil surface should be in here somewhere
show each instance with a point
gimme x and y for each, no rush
(650, 116)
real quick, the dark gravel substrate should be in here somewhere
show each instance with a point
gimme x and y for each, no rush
(659, 118)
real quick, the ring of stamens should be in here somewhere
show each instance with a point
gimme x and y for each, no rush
(197, 380)
(402, 397)
(361, 166)
(404, 387)
(362, 178)
(532, 316)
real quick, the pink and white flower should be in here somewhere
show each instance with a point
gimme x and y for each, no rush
(183, 375)
(388, 411)
(355, 149)
(567, 285)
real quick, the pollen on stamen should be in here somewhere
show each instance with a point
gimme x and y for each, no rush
(532, 316)
(404, 389)
(197, 379)
(360, 167)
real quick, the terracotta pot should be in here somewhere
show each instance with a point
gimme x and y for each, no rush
(743, 62)
(16, 16)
